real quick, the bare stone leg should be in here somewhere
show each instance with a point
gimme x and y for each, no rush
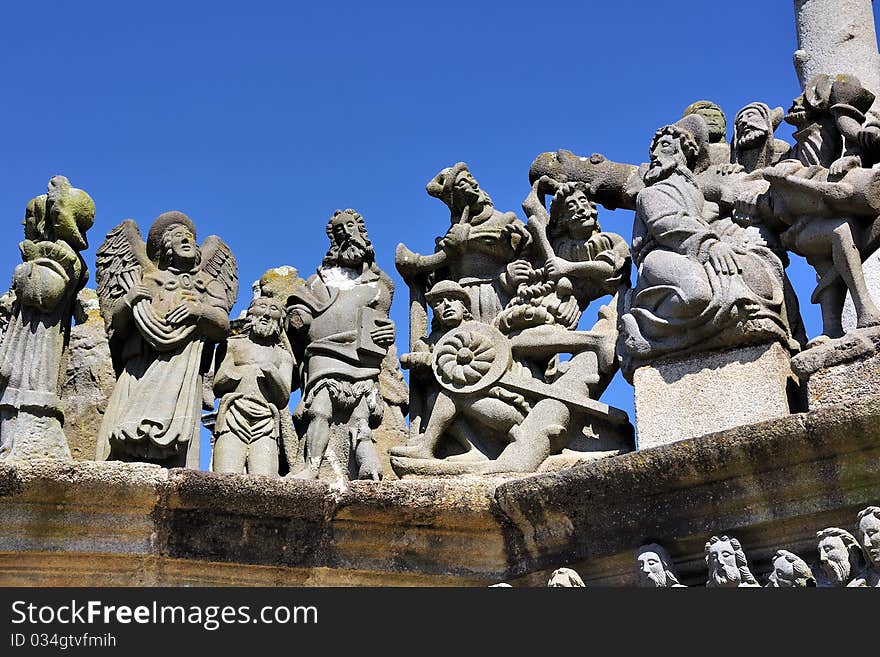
(442, 415)
(320, 412)
(230, 454)
(262, 458)
(533, 439)
(848, 262)
(366, 456)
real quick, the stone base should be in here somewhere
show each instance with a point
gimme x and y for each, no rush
(871, 270)
(841, 370)
(711, 391)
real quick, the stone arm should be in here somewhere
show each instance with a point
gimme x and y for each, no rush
(228, 375)
(418, 361)
(672, 229)
(278, 380)
(213, 321)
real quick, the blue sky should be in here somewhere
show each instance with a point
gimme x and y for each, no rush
(258, 119)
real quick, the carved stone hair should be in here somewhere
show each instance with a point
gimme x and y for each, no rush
(332, 257)
(739, 555)
(799, 567)
(689, 144)
(849, 541)
(870, 511)
(166, 254)
(665, 559)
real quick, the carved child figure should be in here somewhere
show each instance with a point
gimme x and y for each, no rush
(254, 379)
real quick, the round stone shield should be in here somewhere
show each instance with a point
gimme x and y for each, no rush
(471, 358)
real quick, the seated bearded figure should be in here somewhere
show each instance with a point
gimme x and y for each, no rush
(703, 283)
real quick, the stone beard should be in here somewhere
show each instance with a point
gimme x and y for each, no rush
(654, 568)
(727, 563)
(839, 555)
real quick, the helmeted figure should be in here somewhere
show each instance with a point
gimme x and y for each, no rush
(165, 305)
(340, 325)
(42, 303)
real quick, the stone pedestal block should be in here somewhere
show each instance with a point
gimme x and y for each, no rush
(871, 268)
(712, 391)
(842, 370)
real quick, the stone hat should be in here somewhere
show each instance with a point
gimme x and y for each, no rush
(163, 222)
(441, 185)
(448, 289)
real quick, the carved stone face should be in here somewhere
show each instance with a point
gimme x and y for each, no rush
(348, 236)
(667, 155)
(783, 573)
(751, 128)
(650, 570)
(869, 537)
(181, 244)
(579, 218)
(834, 556)
(266, 317)
(466, 191)
(715, 121)
(797, 114)
(449, 312)
(722, 563)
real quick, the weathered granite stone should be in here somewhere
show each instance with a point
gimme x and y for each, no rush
(871, 272)
(713, 391)
(841, 370)
(341, 333)
(565, 578)
(727, 563)
(654, 568)
(840, 556)
(88, 379)
(837, 36)
(868, 532)
(45, 285)
(790, 571)
(165, 305)
(716, 121)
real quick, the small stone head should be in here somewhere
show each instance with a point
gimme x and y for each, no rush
(654, 567)
(63, 213)
(840, 555)
(790, 571)
(458, 189)
(714, 117)
(869, 535)
(727, 563)
(450, 303)
(677, 147)
(266, 317)
(172, 242)
(565, 578)
(754, 124)
(350, 245)
(572, 212)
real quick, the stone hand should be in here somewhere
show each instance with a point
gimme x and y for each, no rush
(840, 166)
(188, 311)
(415, 360)
(520, 271)
(139, 292)
(532, 205)
(455, 237)
(383, 335)
(556, 268)
(723, 260)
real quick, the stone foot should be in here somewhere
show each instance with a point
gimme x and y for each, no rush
(412, 450)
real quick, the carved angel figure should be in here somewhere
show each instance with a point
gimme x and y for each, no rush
(165, 305)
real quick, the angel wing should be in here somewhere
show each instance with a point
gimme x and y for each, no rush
(218, 261)
(120, 263)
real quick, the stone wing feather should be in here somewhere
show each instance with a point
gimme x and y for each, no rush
(120, 263)
(218, 261)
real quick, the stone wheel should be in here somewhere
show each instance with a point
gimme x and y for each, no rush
(471, 358)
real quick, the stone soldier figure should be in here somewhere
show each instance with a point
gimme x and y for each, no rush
(165, 305)
(341, 324)
(253, 381)
(44, 289)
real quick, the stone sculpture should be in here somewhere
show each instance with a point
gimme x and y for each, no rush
(716, 121)
(340, 324)
(254, 381)
(565, 578)
(165, 305)
(727, 563)
(840, 556)
(753, 146)
(869, 539)
(654, 568)
(790, 571)
(44, 288)
(496, 396)
(701, 284)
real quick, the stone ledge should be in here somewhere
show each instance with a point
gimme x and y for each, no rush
(772, 484)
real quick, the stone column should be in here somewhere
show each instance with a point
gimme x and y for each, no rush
(837, 36)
